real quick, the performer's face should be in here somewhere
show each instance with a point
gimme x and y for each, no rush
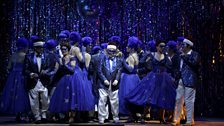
(64, 50)
(169, 51)
(160, 48)
(88, 48)
(111, 52)
(184, 47)
(38, 49)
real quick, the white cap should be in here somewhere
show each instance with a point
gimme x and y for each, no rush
(39, 43)
(188, 42)
(113, 47)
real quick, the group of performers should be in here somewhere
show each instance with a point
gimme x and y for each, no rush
(72, 79)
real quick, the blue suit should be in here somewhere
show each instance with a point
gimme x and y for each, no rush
(189, 71)
(109, 69)
(30, 66)
(189, 67)
(37, 86)
(105, 73)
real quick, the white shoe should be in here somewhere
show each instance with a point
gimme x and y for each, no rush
(101, 121)
(116, 121)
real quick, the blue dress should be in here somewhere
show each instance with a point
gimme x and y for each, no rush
(15, 96)
(61, 100)
(129, 80)
(157, 88)
(82, 87)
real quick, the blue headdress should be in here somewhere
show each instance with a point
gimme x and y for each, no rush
(95, 49)
(86, 41)
(62, 36)
(104, 45)
(50, 44)
(152, 45)
(172, 45)
(74, 38)
(22, 43)
(115, 39)
(66, 32)
(180, 39)
(34, 38)
(133, 42)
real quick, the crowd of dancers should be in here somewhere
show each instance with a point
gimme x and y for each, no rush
(73, 80)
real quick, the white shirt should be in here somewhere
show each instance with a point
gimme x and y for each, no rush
(38, 63)
(111, 63)
(39, 86)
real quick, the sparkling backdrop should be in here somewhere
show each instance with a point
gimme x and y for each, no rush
(199, 20)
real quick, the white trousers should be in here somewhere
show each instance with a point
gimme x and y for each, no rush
(102, 107)
(184, 95)
(34, 94)
(107, 110)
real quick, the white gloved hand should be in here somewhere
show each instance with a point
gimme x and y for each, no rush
(106, 82)
(115, 82)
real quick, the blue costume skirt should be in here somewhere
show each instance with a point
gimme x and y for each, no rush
(154, 89)
(82, 87)
(61, 100)
(15, 96)
(127, 83)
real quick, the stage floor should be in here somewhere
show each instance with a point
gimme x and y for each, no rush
(10, 121)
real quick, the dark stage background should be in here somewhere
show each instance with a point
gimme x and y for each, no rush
(202, 21)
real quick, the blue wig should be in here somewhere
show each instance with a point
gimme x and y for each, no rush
(74, 37)
(115, 39)
(172, 45)
(51, 44)
(133, 42)
(22, 43)
(86, 41)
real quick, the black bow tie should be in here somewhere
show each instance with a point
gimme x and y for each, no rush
(111, 58)
(39, 55)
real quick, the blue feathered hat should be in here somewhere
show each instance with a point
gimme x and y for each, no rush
(104, 45)
(180, 39)
(51, 44)
(152, 45)
(62, 36)
(22, 43)
(74, 37)
(96, 49)
(86, 41)
(133, 42)
(172, 45)
(66, 32)
(115, 39)
(34, 38)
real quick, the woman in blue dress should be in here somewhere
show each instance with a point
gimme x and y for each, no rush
(129, 77)
(158, 87)
(82, 86)
(15, 98)
(62, 98)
